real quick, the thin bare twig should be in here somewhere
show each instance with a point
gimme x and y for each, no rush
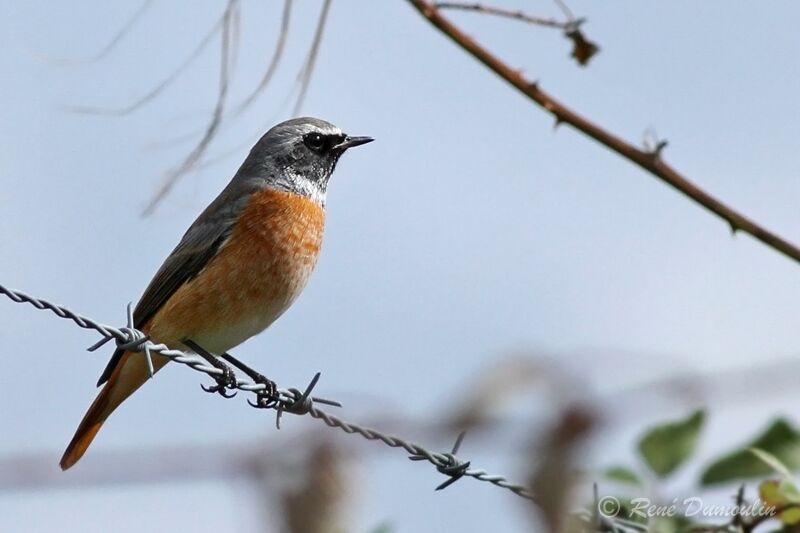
(105, 50)
(158, 89)
(308, 67)
(651, 161)
(265, 80)
(235, 35)
(216, 118)
(507, 13)
(277, 54)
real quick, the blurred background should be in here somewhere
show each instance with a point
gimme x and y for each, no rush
(474, 257)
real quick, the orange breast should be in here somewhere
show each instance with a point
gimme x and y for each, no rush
(254, 277)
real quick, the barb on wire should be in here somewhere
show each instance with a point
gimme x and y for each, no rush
(283, 400)
(454, 468)
(439, 460)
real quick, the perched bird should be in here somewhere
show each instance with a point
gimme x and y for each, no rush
(239, 266)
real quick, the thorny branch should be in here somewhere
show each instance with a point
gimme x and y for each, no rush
(507, 13)
(582, 48)
(651, 161)
(282, 400)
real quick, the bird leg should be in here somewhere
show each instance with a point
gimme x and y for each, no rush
(225, 381)
(265, 398)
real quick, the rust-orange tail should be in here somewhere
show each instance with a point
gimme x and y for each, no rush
(129, 375)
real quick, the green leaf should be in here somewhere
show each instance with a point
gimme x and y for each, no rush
(626, 511)
(791, 516)
(667, 446)
(772, 461)
(673, 524)
(780, 440)
(778, 495)
(771, 493)
(622, 474)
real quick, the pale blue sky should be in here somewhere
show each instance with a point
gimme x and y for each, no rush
(467, 231)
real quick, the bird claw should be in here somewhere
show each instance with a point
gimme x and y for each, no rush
(219, 388)
(224, 383)
(268, 397)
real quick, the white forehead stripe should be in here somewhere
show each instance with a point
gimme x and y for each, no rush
(324, 130)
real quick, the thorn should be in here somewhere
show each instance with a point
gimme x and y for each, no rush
(652, 145)
(574, 25)
(558, 122)
(660, 147)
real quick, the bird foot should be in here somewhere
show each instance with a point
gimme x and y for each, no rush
(225, 382)
(267, 397)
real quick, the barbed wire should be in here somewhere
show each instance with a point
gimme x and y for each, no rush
(290, 400)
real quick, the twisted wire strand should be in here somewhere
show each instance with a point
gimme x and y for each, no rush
(287, 400)
(440, 460)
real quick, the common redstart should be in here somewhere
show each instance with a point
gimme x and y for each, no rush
(238, 267)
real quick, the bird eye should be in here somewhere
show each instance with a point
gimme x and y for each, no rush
(315, 141)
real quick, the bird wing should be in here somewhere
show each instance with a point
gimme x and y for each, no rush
(196, 249)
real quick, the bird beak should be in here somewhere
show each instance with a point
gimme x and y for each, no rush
(349, 142)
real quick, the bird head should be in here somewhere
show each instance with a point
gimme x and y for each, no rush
(299, 156)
